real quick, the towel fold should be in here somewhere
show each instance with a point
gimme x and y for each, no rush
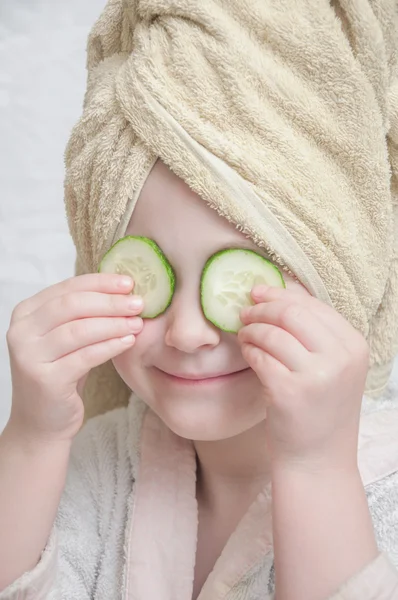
(282, 116)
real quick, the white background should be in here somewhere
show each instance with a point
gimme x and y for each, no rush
(42, 82)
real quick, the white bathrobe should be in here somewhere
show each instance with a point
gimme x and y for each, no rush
(126, 528)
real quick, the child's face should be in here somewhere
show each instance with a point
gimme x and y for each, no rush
(181, 341)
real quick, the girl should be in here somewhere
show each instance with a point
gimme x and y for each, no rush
(244, 466)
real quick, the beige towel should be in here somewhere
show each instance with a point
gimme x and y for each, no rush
(281, 115)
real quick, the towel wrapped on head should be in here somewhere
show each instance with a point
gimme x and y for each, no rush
(282, 116)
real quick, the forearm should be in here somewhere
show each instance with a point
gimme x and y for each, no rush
(32, 478)
(323, 533)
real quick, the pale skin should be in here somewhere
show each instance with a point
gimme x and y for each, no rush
(302, 370)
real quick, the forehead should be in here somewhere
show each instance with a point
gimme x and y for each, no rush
(169, 212)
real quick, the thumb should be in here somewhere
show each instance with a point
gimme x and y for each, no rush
(81, 384)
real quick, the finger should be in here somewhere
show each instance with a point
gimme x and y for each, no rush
(79, 305)
(79, 363)
(266, 367)
(329, 316)
(95, 282)
(278, 343)
(296, 319)
(75, 335)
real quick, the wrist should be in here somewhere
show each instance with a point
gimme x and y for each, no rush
(317, 480)
(325, 513)
(15, 438)
(345, 465)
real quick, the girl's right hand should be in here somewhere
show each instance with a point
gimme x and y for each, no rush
(55, 338)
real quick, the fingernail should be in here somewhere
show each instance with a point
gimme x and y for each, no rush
(259, 290)
(127, 339)
(125, 282)
(135, 323)
(244, 312)
(135, 302)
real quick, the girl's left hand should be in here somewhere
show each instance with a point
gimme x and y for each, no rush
(312, 364)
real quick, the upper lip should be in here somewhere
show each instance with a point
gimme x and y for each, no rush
(197, 377)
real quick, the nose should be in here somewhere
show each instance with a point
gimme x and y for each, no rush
(187, 328)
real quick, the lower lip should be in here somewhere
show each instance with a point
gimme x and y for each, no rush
(204, 382)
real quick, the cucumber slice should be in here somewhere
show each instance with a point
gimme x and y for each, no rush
(226, 283)
(143, 260)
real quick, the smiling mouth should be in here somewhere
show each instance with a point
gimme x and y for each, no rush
(201, 379)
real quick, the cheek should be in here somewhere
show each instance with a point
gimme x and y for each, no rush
(148, 344)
